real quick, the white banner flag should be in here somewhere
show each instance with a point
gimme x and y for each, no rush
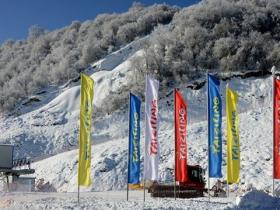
(151, 159)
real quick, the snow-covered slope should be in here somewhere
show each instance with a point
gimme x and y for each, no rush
(113, 60)
(109, 159)
(52, 129)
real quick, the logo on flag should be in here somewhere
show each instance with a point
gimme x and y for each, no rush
(233, 145)
(214, 127)
(151, 158)
(134, 140)
(276, 130)
(84, 170)
(180, 112)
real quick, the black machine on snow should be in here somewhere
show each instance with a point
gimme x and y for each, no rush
(194, 187)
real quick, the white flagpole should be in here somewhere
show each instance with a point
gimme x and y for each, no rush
(127, 186)
(78, 175)
(226, 141)
(207, 86)
(273, 117)
(78, 193)
(174, 144)
(144, 178)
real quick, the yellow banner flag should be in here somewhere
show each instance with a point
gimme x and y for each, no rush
(233, 142)
(84, 175)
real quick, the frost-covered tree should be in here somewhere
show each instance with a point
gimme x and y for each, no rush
(217, 35)
(35, 32)
(214, 35)
(46, 58)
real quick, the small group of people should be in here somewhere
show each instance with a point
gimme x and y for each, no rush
(218, 189)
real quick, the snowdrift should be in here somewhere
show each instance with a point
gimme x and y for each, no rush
(256, 199)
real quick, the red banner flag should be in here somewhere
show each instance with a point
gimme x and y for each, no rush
(180, 113)
(276, 130)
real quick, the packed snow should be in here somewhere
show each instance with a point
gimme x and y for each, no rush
(49, 130)
(106, 200)
(117, 200)
(257, 200)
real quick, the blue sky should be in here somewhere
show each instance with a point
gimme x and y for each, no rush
(16, 16)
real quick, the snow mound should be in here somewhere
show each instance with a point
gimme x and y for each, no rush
(66, 102)
(259, 200)
(113, 86)
(109, 163)
(116, 58)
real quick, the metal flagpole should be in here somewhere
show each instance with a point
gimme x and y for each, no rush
(128, 162)
(174, 188)
(127, 186)
(174, 143)
(144, 189)
(207, 82)
(227, 146)
(78, 177)
(273, 188)
(273, 107)
(78, 193)
(227, 188)
(144, 178)
(208, 183)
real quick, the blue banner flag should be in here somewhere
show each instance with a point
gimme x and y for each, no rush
(214, 127)
(134, 141)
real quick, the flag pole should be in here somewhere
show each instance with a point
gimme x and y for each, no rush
(86, 97)
(227, 189)
(78, 193)
(174, 188)
(273, 188)
(144, 189)
(227, 143)
(144, 178)
(128, 162)
(273, 115)
(207, 82)
(174, 143)
(78, 174)
(127, 186)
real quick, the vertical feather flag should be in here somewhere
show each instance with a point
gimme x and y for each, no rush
(276, 129)
(214, 127)
(151, 157)
(180, 115)
(84, 171)
(233, 142)
(134, 140)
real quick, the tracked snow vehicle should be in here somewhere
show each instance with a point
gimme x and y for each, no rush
(194, 187)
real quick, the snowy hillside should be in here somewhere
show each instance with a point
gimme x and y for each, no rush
(109, 159)
(53, 128)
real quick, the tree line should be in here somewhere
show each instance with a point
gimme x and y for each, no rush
(52, 58)
(184, 44)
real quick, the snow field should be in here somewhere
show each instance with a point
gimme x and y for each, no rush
(48, 132)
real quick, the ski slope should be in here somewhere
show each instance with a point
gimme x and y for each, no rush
(49, 134)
